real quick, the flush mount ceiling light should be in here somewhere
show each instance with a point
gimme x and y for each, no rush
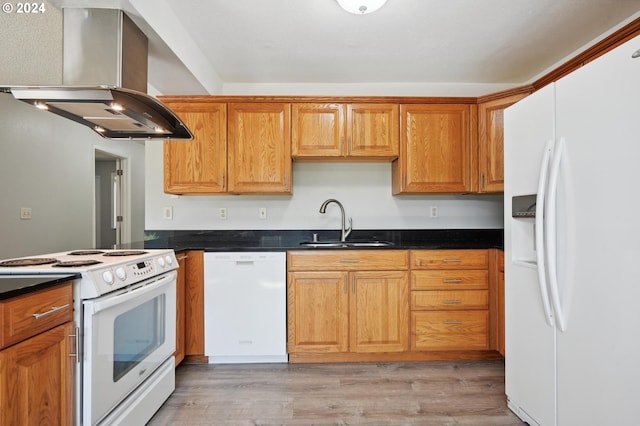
(361, 7)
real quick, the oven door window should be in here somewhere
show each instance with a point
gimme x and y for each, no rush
(136, 334)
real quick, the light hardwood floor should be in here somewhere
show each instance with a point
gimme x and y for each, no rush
(412, 393)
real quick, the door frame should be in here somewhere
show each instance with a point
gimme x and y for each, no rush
(123, 232)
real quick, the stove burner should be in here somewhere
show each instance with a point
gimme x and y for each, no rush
(76, 263)
(32, 261)
(85, 252)
(125, 253)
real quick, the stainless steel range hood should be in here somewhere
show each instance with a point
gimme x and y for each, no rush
(105, 80)
(113, 113)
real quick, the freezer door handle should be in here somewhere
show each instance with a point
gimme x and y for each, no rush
(539, 231)
(551, 235)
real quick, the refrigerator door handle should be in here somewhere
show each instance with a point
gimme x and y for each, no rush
(539, 232)
(551, 235)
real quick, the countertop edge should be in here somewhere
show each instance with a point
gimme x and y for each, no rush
(19, 284)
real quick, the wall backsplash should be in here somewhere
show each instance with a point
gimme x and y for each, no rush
(363, 188)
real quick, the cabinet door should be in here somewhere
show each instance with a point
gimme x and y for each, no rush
(435, 149)
(379, 311)
(317, 130)
(318, 316)
(198, 166)
(180, 308)
(194, 306)
(259, 141)
(373, 131)
(37, 379)
(491, 143)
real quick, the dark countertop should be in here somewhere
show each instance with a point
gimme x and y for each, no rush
(15, 285)
(283, 240)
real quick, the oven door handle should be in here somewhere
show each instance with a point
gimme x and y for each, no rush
(108, 302)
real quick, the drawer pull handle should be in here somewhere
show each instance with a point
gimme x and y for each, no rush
(452, 280)
(349, 261)
(452, 260)
(452, 302)
(53, 310)
(454, 322)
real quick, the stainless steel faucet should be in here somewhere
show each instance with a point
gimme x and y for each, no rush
(344, 231)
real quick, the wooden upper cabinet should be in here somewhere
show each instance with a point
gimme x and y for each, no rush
(317, 130)
(334, 131)
(435, 149)
(198, 166)
(259, 144)
(373, 130)
(491, 143)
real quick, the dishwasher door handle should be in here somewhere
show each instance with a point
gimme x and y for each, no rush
(244, 262)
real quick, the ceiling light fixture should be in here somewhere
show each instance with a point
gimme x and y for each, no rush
(361, 7)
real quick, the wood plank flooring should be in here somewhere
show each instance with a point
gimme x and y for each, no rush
(411, 393)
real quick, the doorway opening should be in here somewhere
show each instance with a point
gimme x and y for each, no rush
(110, 199)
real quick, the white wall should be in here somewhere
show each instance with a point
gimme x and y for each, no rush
(363, 188)
(47, 164)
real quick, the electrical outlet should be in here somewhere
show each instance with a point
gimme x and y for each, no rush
(167, 213)
(433, 211)
(222, 213)
(262, 213)
(25, 213)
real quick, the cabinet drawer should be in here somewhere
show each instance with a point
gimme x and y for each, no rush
(449, 259)
(24, 316)
(450, 330)
(449, 280)
(348, 260)
(441, 300)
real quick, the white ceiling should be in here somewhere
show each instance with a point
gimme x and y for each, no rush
(221, 42)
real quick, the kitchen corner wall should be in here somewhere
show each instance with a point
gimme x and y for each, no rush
(47, 164)
(363, 188)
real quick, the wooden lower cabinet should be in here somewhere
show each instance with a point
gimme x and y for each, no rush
(194, 307)
(318, 317)
(450, 300)
(36, 379)
(356, 310)
(390, 305)
(181, 318)
(379, 311)
(37, 360)
(348, 311)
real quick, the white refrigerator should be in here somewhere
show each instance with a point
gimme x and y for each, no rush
(572, 274)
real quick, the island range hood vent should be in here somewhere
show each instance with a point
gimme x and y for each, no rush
(104, 77)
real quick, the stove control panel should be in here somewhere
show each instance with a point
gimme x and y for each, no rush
(125, 273)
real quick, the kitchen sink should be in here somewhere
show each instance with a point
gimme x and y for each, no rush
(346, 244)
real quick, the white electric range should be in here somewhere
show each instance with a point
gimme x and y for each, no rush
(125, 317)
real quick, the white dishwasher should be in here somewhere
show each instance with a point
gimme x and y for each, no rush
(245, 307)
